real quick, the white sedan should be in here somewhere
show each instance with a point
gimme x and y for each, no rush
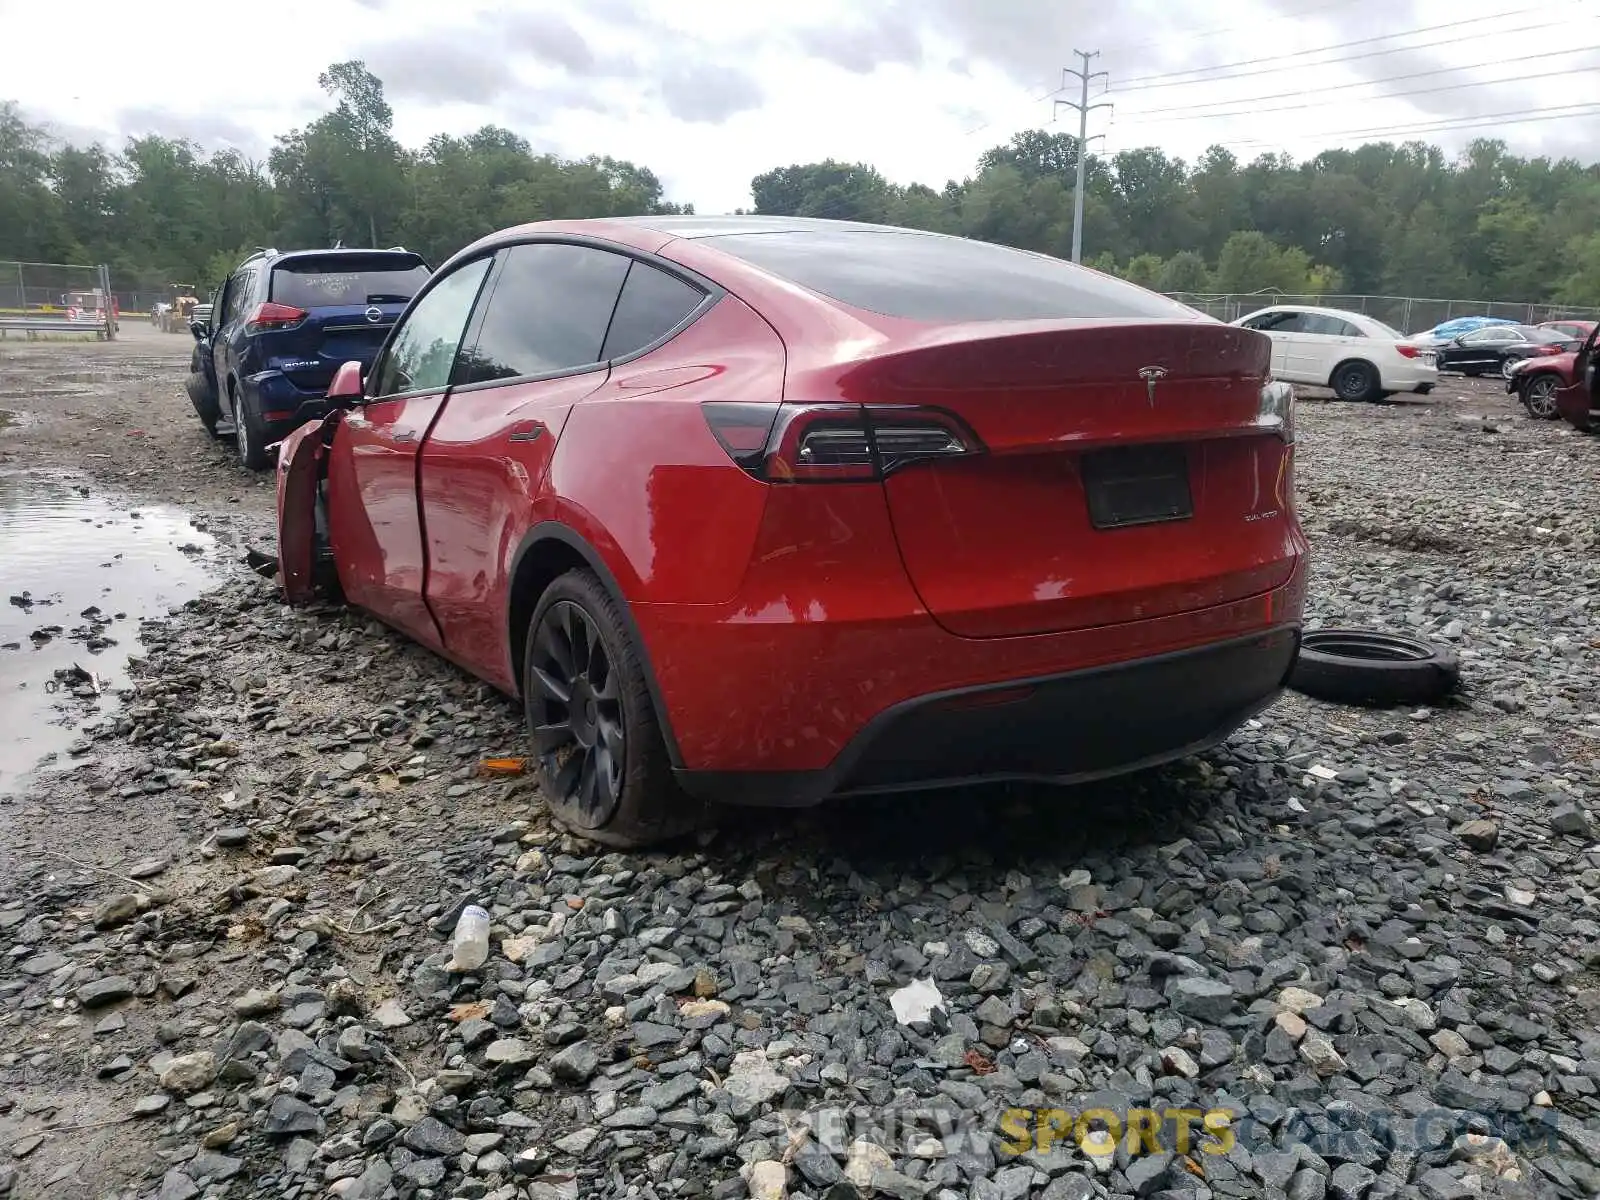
(1357, 356)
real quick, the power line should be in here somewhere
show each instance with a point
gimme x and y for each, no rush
(1186, 108)
(1280, 108)
(1529, 116)
(1250, 62)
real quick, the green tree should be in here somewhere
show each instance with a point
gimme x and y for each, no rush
(1185, 271)
(1252, 262)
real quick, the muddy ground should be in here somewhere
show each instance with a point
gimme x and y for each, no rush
(268, 821)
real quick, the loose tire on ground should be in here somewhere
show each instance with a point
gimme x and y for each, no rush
(578, 644)
(1356, 381)
(1372, 669)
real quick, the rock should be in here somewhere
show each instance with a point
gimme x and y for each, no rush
(1480, 834)
(1298, 1001)
(432, 1136)
(1350, 1181)
(109, 989)
(1202, 999)
(1571, 820)
(389, 1015)
(118, 910)
(768, 1181)
(509, 1052)
(576, 1063)
(288, 1116)
(175, 1185)
(866, 1160)
(1148, 1172)
(256, 1003)
(1318, 1051)
(189, 1073)
(149, 1106)
(753, 1080)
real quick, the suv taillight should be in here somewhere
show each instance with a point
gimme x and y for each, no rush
(835, 443)
(272, 315)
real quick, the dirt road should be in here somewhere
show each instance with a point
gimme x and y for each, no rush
(225, 901)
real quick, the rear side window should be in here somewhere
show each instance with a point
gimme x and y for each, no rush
(925, 277)
(652, 303)
(1278, 322)
(548, 311)
(1330, 326)
(347, 282)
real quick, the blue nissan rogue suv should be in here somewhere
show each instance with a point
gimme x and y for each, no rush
(280, 325)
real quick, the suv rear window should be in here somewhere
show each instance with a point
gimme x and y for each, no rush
(926, 277)
(326, 282)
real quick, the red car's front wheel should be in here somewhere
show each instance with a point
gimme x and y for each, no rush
(599, 756)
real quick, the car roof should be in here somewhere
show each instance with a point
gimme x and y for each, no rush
(1313, 308)
(291, 255)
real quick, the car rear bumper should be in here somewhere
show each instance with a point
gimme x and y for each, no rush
(280, 404)
(1070, 727)
(1409, 377)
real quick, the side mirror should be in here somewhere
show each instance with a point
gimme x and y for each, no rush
(198, 329)
(346, 383)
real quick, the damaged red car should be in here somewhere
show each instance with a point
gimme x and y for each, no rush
(764, 510)
(1577, 401)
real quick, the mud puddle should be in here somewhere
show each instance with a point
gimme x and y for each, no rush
(78, 571)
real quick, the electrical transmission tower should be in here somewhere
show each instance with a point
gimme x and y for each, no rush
(1083, 108)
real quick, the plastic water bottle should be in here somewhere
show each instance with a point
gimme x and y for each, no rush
(471, 948)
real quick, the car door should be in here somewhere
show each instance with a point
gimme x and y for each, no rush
(373, 516)
(222, 329)
(1279, 325)
(553, 317)
(1583, 393)
(1321, 344)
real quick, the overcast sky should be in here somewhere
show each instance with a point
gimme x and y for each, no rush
(711, 92)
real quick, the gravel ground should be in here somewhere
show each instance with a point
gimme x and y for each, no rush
(1359, 949)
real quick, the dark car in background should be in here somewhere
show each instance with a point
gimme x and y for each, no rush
(282, 323)
(1498, 348)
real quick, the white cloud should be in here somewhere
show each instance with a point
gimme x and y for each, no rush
(711, 93)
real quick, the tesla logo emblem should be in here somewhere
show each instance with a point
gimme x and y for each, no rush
(1151, 377)
(374, 315)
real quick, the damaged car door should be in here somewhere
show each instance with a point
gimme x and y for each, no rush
(373, 520)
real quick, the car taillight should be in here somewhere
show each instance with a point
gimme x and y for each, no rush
(1548, 350)
(1407, 351)
(835, 443)
(1275, 410)
(271, 315)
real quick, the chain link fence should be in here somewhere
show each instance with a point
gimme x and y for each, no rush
(1408, 314)
(57, 298)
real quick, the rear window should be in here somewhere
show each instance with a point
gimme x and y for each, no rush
(924, 277)
(329, 282)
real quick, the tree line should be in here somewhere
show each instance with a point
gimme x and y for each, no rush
(1402, 219)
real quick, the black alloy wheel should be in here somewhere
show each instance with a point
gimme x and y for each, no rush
(599, 753)
(579, 729)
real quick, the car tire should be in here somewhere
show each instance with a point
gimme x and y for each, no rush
(205, 407)
(248, 436)
(1506, 367)
(1372, 669)
(603, 767)
(1539, 396)
(1355, 381)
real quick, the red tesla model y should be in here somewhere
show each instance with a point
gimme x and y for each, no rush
(764, 510)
